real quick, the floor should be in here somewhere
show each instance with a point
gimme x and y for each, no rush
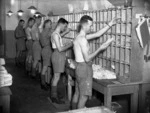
(27, 96)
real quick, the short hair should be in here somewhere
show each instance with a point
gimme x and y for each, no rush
(38, 17)
(62, 21)
(84, 19)
(21, 20)
(45, 22)
(31, 19)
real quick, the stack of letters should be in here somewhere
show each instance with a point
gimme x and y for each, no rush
(5, 77)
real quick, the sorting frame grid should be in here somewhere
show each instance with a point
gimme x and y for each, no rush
(118, 55)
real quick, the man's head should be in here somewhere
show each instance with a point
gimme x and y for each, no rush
(38, 20)
(21, 22)
(63, 24)
(85, 23)
(47, 24)
(30, 22)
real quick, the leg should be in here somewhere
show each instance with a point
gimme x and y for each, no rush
(27, 64)
(43, 75)
(55, 79)
(17, 58)
(69, 88)
(20, 57)
(30, 64)
(75, 97)
(48, 75)
(39, 66)
(54, 97)
(82, 101)
(35, 62)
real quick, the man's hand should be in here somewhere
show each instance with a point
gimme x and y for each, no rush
(67, 30)
(114, 21)
(69, 43)
(106, 44)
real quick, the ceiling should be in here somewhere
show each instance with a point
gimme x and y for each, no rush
(61, 6)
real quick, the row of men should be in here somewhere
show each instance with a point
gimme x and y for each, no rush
(49, 45)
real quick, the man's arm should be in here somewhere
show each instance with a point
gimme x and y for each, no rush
(58, 45)
(65, 32)
(18, 33)
(89, 57)
(103, 30)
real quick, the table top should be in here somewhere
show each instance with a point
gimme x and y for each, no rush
(5, 91)
(113, 83)
(110, 82)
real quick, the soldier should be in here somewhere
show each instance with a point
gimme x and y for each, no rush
(84, 57)
(58, 56)
(36, 48)
(20, 41)
(46, 53)
(29, 43)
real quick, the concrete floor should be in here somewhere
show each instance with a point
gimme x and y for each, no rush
(27, 96)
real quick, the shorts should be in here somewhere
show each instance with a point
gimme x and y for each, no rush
(36, 48)
(20, 44)
(58, 61)
(84, 76)
(29, 44)
(46, 55)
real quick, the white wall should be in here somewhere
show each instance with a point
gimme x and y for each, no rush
(58, 7)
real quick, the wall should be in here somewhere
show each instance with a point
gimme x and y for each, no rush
(2, 23)
(58, 7)
(139, 66)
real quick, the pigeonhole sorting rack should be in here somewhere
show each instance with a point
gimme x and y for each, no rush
(125, 57)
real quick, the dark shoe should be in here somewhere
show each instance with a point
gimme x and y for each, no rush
(33, 77)
(44, 87)
(57, 101)
(33, 72)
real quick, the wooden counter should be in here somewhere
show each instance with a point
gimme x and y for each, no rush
(113, 88)
(110, 88)
(5, 93)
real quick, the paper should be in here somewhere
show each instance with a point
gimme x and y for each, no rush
(143, 33)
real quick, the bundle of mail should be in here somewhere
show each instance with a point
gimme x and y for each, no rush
(5, 77)
(101, 73)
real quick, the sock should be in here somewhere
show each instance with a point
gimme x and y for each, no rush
(29, 66)
(42, 79)
(33, 72)
(54, 91)
(73, 106)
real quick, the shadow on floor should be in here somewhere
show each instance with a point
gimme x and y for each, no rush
(27, 96)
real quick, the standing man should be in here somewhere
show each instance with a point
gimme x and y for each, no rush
(35, 33)
(46, 53)
(20, 41)
(84, 57)
(29, 25)
(58, 56)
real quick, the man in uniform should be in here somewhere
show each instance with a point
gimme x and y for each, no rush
(58, 56)
(35, 33)
(20, 41)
